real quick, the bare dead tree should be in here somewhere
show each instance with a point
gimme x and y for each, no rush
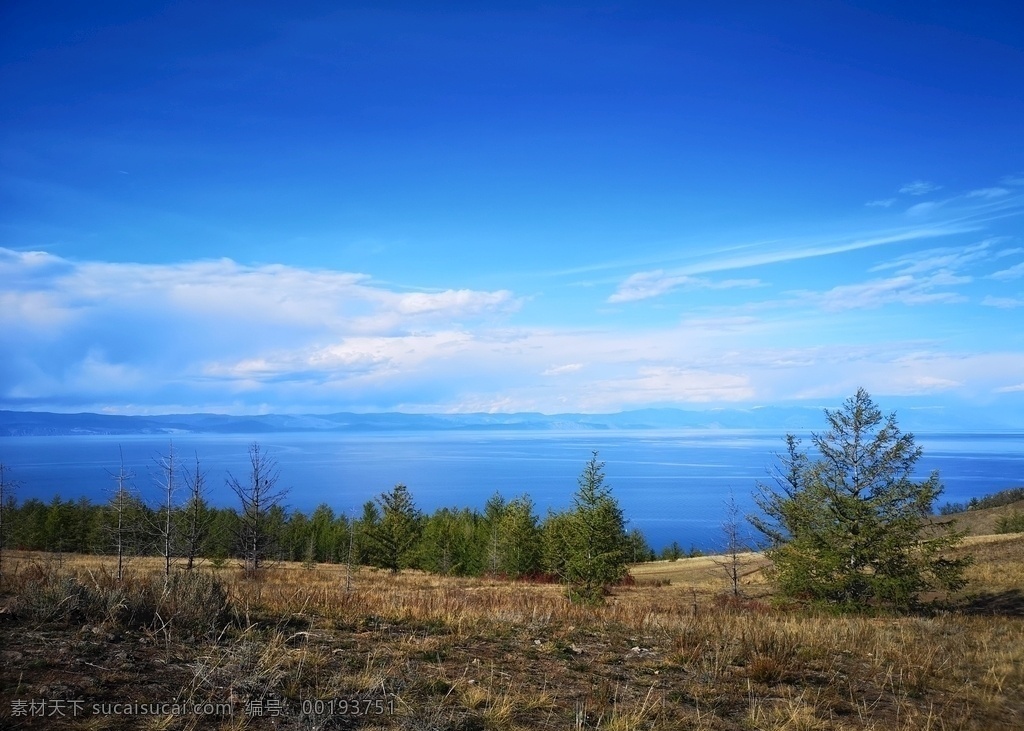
(735, 543)
(258, 496)
(167, 466)
(351, 557)
(196, 519)
(122, 503)
(7, 486)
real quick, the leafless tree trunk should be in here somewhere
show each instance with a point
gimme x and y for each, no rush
(258, 495)
(167, 465)
(734, 544)
(197, 522)
(351, 553)
(121, 503)
(7, 486)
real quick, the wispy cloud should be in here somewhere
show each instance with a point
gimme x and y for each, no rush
(1014, 272)
(905, 289)
(645, 285)
(1003, 303)
(883, 203)
(223, 335)
(923, 209)
(988, 193)
(947, 258)
(562, 369)
(919, 187)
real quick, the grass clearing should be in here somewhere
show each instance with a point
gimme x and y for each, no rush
(423, 652)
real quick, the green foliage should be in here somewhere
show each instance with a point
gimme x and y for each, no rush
(505, 539)
(995, 500)
(637, 548)
(847, 528)
(672, 552)
(395, 535)
(1012, 523)
(452, 543)
(555, 543)
(512, 537)
(595, 538)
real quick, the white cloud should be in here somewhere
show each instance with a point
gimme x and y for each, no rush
(773, 253)
(914, 373)
(1014, 272)
(988, 193)
(462, 301)
(1003, 303)
(220, 335)
(562, 369)
(919, 187)
(268, 295)
(193, 325)
(922, 209)
(645, 285)
(904, 289)
(1017, 388)
(883, 203)
(945, 258)
(668, 385)
(929, 384)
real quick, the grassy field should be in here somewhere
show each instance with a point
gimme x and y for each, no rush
(325, 648)
(982, 521)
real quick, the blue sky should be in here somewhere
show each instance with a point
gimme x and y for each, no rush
(246, 207)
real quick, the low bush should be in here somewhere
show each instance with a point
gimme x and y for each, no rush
(188, 604)
(1012, 523)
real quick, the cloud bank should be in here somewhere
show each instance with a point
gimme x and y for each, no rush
(808, 319)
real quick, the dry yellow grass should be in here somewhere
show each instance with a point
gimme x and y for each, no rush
(669, 652)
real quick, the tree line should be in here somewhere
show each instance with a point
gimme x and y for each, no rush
(845, 525)
(506, 538)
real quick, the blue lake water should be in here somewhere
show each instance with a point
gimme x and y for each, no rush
(670, 484)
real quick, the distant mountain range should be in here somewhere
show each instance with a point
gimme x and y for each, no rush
(783, 418)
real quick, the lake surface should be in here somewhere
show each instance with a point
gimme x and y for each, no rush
(670, 484)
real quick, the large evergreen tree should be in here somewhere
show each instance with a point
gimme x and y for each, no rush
(395, 537)
(848, 527)
(595, 537)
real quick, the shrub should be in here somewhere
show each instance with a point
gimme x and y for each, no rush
(192, 603)
(1012, 523)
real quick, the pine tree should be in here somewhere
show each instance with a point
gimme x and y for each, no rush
(596, 538)
(848, 528)
(519, 538)
(396, 535)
